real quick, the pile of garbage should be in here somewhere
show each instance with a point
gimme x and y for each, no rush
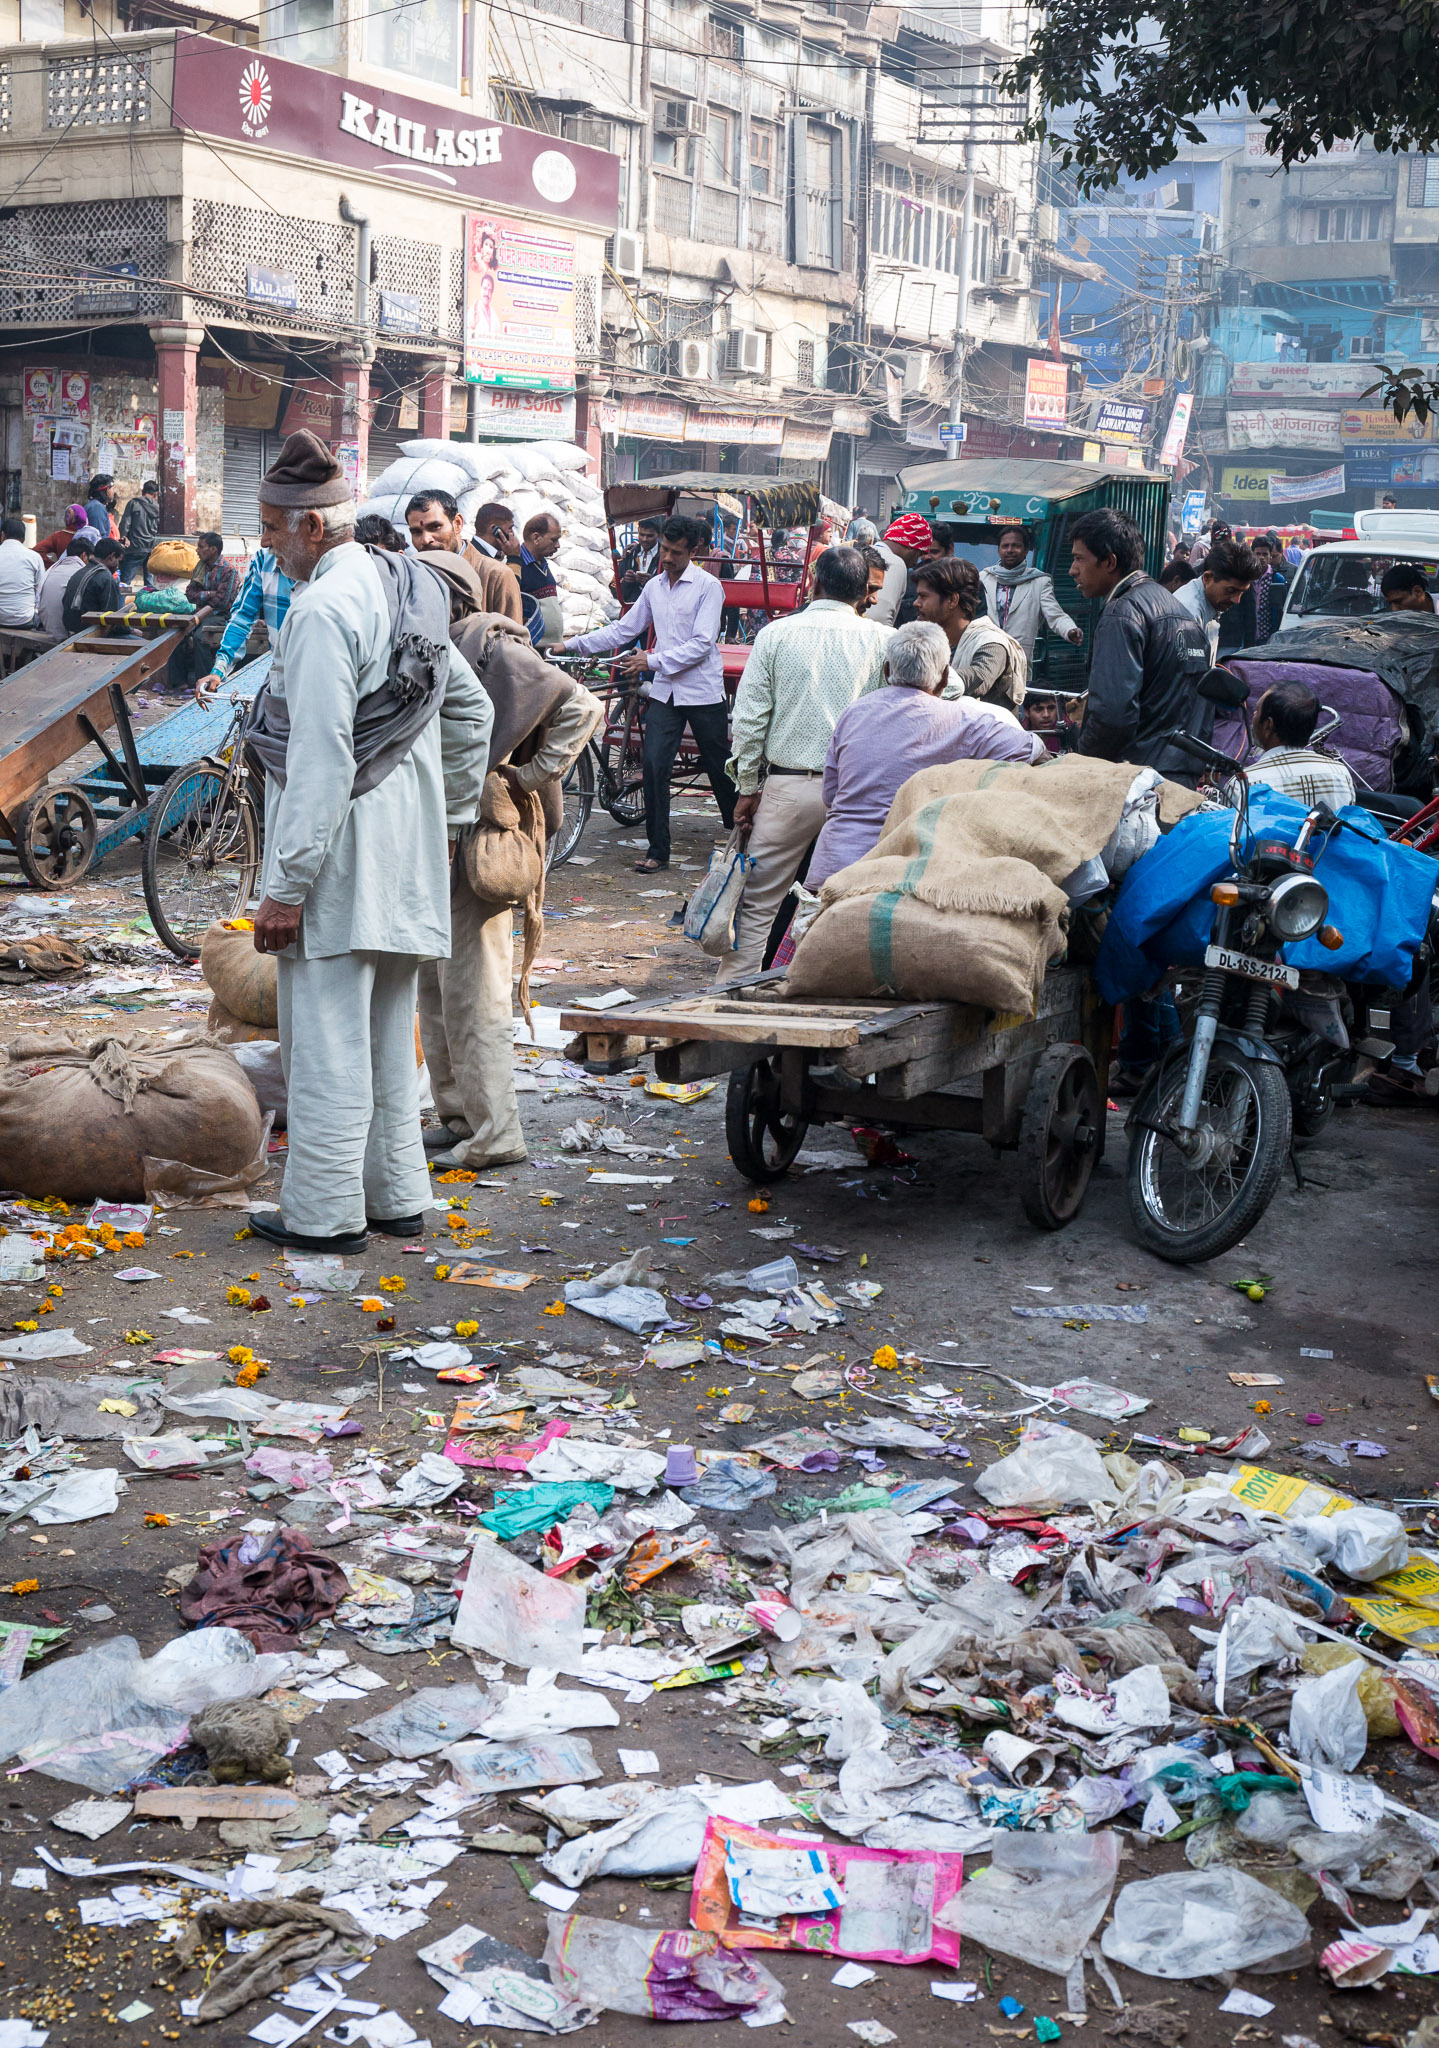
(972, 1691)
(530, 477)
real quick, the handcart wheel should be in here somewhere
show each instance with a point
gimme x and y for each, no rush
(1059, 1136)
(55, 837)
(763, 1141)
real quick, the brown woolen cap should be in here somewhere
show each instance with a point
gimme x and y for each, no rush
(304, 476)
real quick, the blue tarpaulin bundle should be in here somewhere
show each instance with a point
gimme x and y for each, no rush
(1379, 897)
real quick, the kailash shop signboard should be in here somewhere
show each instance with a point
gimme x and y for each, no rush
(244, 96)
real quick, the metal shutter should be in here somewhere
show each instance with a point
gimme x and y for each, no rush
(245, 460)
(385, 448)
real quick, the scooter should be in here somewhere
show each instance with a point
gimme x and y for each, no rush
(1212, 1127)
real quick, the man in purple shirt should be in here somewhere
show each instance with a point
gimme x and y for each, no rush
(894, 732)
(682, 603)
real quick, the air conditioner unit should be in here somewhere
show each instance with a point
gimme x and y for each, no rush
(680, 117)
(916, 369)
(629, 256)
(744, 352)
(1046, 223)
(1010, 267)
(693, 360)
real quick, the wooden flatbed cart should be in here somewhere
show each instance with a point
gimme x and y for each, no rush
(1036, 1085)
(63, 700)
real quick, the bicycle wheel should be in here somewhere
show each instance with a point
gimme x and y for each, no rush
(621, 757)
(578, 792)
(201, 858)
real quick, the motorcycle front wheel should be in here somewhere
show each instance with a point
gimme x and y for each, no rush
(1192, 1205)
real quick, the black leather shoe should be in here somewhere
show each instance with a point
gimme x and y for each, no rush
(395, 1226)
(272, 1225)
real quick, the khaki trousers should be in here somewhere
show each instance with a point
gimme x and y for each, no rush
(790, 814)
(466, 1028)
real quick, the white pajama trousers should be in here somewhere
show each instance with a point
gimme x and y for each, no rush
(347, 1040)
(788, 821)
(467, 1007)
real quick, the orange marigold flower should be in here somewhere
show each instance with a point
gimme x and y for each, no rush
(24, 1586)
(157, 1521)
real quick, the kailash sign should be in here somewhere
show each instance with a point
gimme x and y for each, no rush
(241, 96)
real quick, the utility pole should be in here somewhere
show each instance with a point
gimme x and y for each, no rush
(961, 313)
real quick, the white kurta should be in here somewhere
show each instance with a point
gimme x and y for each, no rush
(372, 875)
(372, 872)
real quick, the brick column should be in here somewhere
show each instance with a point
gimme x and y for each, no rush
(352, 414)
(177, 348)
(437, 378)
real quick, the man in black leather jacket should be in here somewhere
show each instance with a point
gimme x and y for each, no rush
(1149, 653)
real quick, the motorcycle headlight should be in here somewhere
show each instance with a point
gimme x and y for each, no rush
(1297, 906)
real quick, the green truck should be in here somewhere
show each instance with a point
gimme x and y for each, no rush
(974, 498)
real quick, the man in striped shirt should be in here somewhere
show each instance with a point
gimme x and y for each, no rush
(1284, 722)
(265, 594)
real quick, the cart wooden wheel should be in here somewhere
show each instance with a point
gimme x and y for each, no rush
(1059, 1136)
(55, 837)
(763, 1141)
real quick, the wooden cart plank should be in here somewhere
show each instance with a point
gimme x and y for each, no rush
(41, 705)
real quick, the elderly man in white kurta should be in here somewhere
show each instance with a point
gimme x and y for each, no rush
(373, 765)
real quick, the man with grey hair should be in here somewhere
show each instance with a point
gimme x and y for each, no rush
(886, 737)
(374, 734)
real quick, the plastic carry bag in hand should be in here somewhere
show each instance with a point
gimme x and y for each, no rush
(714, 906)
(1195, 1923)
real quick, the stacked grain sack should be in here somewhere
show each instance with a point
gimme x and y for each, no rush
(529, 477)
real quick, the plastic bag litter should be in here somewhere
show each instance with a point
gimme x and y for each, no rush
(163, 1453)
(853, 1718)
(1362, 1542)
(727, 1487)
(295, 1469)
(622, 1295)
(490, 1984)
(674, 1975)
(70, 1718)
(662, 1838)
(778, 1276)
(482, 1767)
(43, 1344)
(510, 1611)
(1196, 1923)
(427, 1720)
(1327, 1725)
(570, 1459)
(1052, 1463)
(1256, 1633)
(432, 1479)
(77, 1496)
(520, 1711)
(1040, 1899)
(1376, 1688)
(540, 1506)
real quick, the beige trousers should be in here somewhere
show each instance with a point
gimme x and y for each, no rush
(791, 812)
(466, 1008)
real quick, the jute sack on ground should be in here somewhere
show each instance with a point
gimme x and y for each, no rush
(232, 1030)
(242, 980)
(78, 1116)
(960, 898)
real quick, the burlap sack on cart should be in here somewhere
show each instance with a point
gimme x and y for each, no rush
(241, 980)
(961, 899)
(80, 1116)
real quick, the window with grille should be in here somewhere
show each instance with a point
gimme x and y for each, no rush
(1367, 222)
(918, 220)
(587, 319)
(416, 38)
(40, 245)
(726, 38)
(1424, 181)
(5, 103)
(319, 255)
(804, 362)
(95, 92)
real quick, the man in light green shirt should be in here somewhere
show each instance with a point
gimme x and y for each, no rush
(803, 672)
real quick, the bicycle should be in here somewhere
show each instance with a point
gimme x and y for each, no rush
(201, 857)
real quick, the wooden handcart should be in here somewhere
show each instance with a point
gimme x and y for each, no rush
(1036, 1085)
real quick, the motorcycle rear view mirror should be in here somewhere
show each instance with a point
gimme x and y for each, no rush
(1222, 686)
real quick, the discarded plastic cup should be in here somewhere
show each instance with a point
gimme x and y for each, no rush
(778, 1617)
(680, 1466)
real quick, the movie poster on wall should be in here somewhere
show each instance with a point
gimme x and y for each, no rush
(519, 304)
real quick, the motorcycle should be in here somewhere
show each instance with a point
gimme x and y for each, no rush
(1212, 1127)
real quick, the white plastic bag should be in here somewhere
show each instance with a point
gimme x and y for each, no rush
(1364, 1543)
(1041, 1898)
(712, 910)
(1326, 1719)
(1052, 1463)
(1196, 1923)
(510, 1611)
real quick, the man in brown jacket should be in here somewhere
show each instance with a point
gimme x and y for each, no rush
(542, 720)
(433, 518)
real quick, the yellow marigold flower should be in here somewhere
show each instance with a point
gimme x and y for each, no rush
(138, 1337)
(246, 1232)
(556, 1308)
(758, 1205)
(56, 1293)
(442, 1272)
(467, 1329)
(1262, 1408)
(886, 1358)
(46, 1308)
(182, 1255)
(247, 1375)
(134, 1240)
(29, 1324)
(371, 1305)
(456, 1173)
(392, 1284)
(24, 1586)
(240, 1354)
(238, 1297)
